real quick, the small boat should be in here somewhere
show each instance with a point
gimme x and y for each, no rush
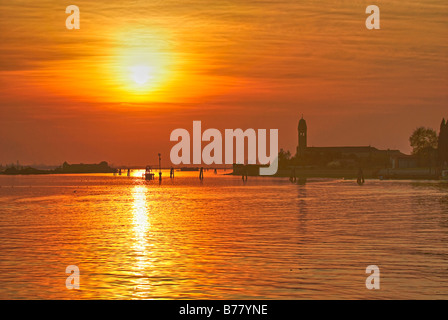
(148, 175)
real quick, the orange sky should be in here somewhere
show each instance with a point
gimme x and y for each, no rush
(70, 95)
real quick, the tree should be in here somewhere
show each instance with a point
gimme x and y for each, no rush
(284, 158)
(423, 139)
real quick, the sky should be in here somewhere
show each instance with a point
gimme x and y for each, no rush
(116, 88)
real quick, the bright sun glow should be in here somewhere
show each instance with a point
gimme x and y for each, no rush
(141, 74)
(143, 66)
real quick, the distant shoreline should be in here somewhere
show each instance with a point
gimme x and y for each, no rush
(66, 168)
(47, 173)
(253, 171)
(351, 174)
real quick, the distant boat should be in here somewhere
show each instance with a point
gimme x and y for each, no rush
(189, 169)
(148, 175)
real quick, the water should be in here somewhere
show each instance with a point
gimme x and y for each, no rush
(221, 239)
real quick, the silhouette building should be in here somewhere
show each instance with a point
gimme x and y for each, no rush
(442, 147)
(358, 151)
(302, 131)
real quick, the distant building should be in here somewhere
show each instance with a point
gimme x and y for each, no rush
(249, 169)
(355, 151)
(442, 148)
(403, 161)
(102, 167)
(302, 131)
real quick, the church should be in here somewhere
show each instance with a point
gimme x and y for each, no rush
(354, 151)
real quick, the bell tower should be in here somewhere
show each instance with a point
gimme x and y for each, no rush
(302, 135)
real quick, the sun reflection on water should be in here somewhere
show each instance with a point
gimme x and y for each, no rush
(140, 245)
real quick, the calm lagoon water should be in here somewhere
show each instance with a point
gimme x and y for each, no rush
(222, 238)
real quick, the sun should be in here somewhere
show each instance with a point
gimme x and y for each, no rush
(141, 67)
(144, 67)
(141, 74)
